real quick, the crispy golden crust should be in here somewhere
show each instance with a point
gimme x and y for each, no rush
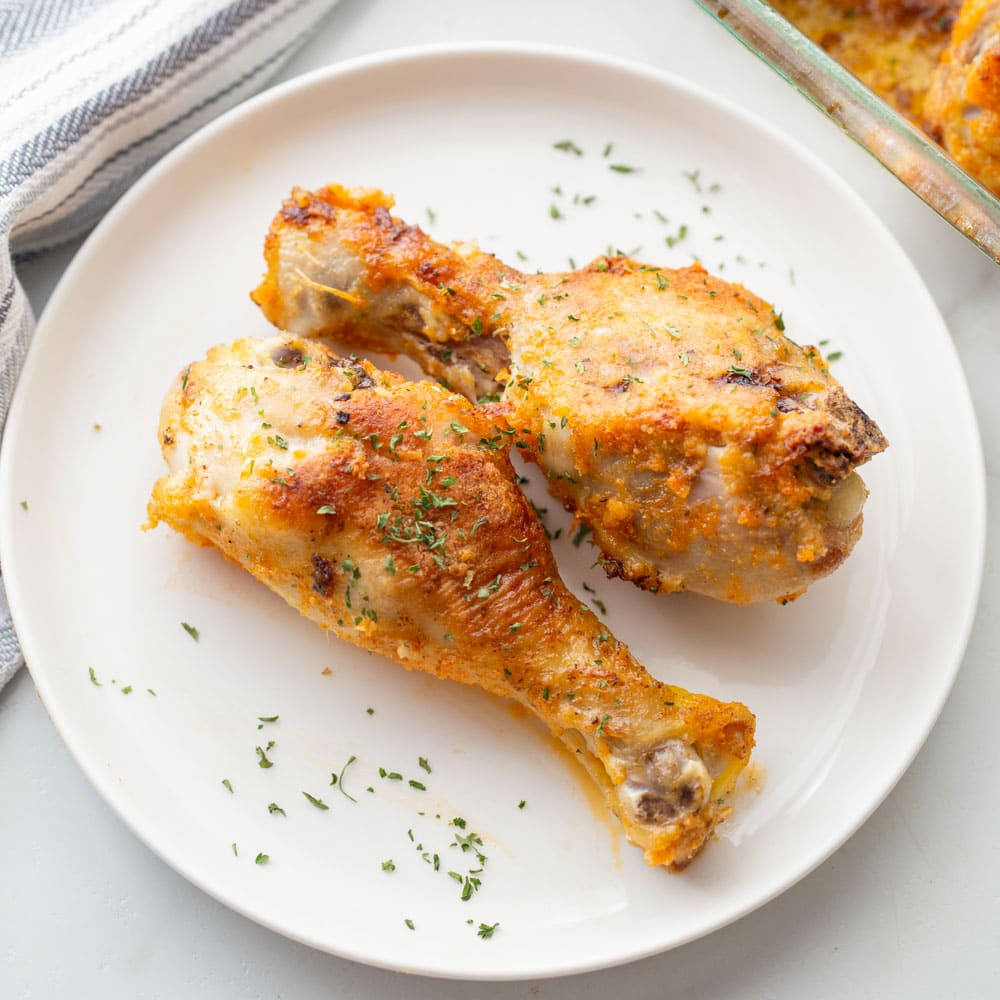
(893, 46)
(705, 449)
(385, 511)
(963, 105)
(936, 61)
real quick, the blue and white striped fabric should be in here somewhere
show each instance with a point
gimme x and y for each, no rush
(92, 92)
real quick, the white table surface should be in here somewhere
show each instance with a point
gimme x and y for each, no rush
(909, 907)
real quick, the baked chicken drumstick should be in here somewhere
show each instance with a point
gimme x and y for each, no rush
(705, 450)
(963, 103)
(387, 512)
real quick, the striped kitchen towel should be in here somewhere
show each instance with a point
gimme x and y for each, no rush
(92, 92)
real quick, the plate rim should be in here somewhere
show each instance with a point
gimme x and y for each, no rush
(542, 52)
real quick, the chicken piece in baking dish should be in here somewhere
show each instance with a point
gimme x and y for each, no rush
(704, 449)
(385, 511)
(892, 46)
(936, 61)
(963, 105)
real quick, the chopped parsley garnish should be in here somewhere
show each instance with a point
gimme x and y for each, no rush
(484, 592)
(273, 807)
(487, 930)
(191, 631)
(263, 759)
(267, 718)
(621, 168)
(388, 865)
(228, 785)
(262, 859)
(672, 241)
(93, 677)
(834, 355)
(418, 785)
(326, 509)
(127, 689)
(318, 803)
(24, 505)
(409, 923)
(338, 779)
(568, 146)
(469, 886)
(422, 762)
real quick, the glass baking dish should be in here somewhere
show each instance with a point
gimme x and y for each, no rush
(918, 162)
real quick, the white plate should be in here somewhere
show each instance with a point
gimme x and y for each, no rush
(846, 682)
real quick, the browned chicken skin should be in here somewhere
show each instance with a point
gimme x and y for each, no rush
(893, 46)
(963, 105)
(705, 450)
(383, 510)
